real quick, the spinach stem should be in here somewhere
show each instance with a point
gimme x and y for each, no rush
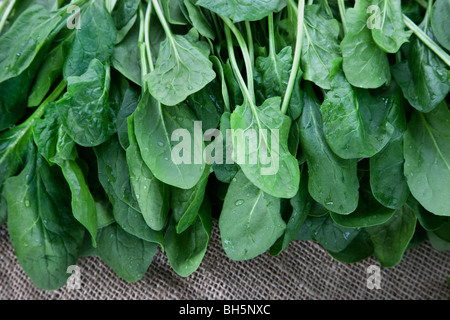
(164, 24)
(341, 5)
(245, 54)
(297, 56)
(142, 49)
(427, 41)
(251, 49)
(5, 15)
(310, 2)
(272, 47)
(428, 14)
(148, 15)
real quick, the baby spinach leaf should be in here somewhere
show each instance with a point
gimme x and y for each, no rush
(390, 34)
(45, 237)
(330, 235)
(267, 163)
(355, 123)
(26, 37)
(240, 10)
(333, 181)
(84, 109)
(198, 19)
(155, 126)
(128, 256)
(152, 195)
(123, 12)
(185, 251)
(182, 68)
(387, 178)
(48, 72)
(129, 104)
(185, 203)
(250, 221)
(423, 77)
(173, 11)
(427, 159)
(427, 220)
(320, 46)
(272, 77)
(301, 205)
(125, 56)
(365, 64)
(359, 249)
(441, 11)
(391, 239)
(93, 40)
(369, 211)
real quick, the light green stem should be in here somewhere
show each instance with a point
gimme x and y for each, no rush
(164, 24)
(297, 56)
(142, 49)
(341, 5)
(427, 41)
(5, 15)
(148, 15)
(251, 50)
(245, 54)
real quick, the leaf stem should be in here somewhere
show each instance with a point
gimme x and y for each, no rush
(164, 24)
(422, 3)
(341, 5)
(245, 54)
(148, 15)
(52, 97)
(272, 48)
(141, 46)
(5, 15)
(427, 40)
(251, 49)
(297, 56)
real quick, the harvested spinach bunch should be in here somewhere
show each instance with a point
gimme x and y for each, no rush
(128, 126)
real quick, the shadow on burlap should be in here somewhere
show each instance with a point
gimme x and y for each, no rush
(303, 271)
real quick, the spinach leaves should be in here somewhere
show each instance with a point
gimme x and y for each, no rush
(136, 131)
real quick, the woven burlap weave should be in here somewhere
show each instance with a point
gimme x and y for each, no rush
(303, 271)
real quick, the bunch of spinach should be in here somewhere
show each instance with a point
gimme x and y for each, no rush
(97, 96)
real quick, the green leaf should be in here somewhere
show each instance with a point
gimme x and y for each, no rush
(155, 126)
(27, 36)
(185, 203)
(427, 220)
(45, 237)
(48, 72)
(427, 159)
(391, 239)
(84, 109)
(365, 64)
(355, 122)
(423, 77)
(185, 251)
(320, 46)
(330, 235)
(387, 178)
(93, 40)
(123, 12)
(182, 68)
(441, 11)
(250, 221)
(359, 249)
(128, 256)
(261, 150)
(198, 19)
(390, 34)
(241, 10)
(152, 195)
(129, 104)
(117, 184)
(301, 205)
(125, 56)
(173, 12)
(272, 76)
(333, 181)
(369, 211)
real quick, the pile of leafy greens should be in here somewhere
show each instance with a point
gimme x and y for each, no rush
(92, 92)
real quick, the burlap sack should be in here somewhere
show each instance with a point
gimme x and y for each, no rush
(303, 271)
